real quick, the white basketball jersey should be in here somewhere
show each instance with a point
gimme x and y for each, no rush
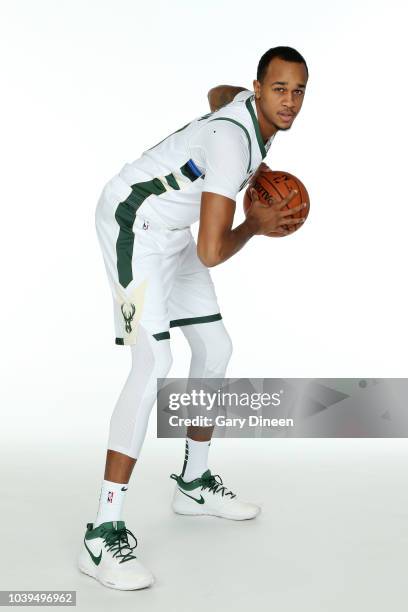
(217, 152)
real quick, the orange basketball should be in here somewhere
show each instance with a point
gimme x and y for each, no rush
(278, 185)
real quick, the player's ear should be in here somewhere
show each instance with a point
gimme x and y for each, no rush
(257, 86)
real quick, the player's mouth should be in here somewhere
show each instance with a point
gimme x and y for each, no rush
(287, 117)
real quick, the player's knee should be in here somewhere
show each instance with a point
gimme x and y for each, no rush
(164, 360)
(226, 347)
(150, 357)
(219, 352)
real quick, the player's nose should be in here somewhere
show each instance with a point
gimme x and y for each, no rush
(289, 101)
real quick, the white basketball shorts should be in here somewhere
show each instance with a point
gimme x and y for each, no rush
(155, 275)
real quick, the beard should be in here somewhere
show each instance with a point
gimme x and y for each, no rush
(280, 128)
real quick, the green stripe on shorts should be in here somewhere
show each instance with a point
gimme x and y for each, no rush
(125, 216)
(162, 335)
(192, 320)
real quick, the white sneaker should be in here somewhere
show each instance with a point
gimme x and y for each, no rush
(106, 555)
(207, 495)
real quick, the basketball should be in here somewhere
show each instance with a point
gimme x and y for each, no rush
(277, 184)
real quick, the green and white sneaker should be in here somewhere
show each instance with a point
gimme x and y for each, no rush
(106, 555)
(207, 495)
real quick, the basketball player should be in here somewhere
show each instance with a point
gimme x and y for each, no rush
(159, 279)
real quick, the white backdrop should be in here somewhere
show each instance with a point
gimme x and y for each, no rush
(89, 85)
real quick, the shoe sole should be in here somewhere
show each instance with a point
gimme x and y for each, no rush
(111, 585)
(226, 516)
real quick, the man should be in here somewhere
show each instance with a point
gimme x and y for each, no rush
(160, 279)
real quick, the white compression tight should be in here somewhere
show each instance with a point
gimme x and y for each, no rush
(211, 350)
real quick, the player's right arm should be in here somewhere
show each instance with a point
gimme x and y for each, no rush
(221, 95)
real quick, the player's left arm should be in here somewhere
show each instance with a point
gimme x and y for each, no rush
(221, 95)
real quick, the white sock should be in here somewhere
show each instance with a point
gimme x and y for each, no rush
(110, 502)
(195, 459)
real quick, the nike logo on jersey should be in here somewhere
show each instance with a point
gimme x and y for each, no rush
(95, 559)
(199, 501)
(124, 489)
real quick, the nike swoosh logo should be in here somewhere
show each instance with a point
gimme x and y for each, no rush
(95, 559)
(124, 489)
(199, 501)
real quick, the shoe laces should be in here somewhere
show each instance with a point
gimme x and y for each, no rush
(116, 541)
(216, 486)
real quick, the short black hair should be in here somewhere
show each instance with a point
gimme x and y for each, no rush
(285, 53)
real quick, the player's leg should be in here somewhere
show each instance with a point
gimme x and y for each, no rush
(194, 308)
(107, 553)
(198, 491)
(133, 264)
(151, 359)
(138, 279)
(211, 349)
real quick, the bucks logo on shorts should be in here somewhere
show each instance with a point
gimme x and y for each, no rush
(128, 307)
(128, 311)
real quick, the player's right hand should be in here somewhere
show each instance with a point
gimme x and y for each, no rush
(271, 217)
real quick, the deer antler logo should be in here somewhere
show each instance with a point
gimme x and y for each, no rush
(128, 317)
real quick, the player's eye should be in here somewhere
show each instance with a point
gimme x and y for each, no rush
(278, 89)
